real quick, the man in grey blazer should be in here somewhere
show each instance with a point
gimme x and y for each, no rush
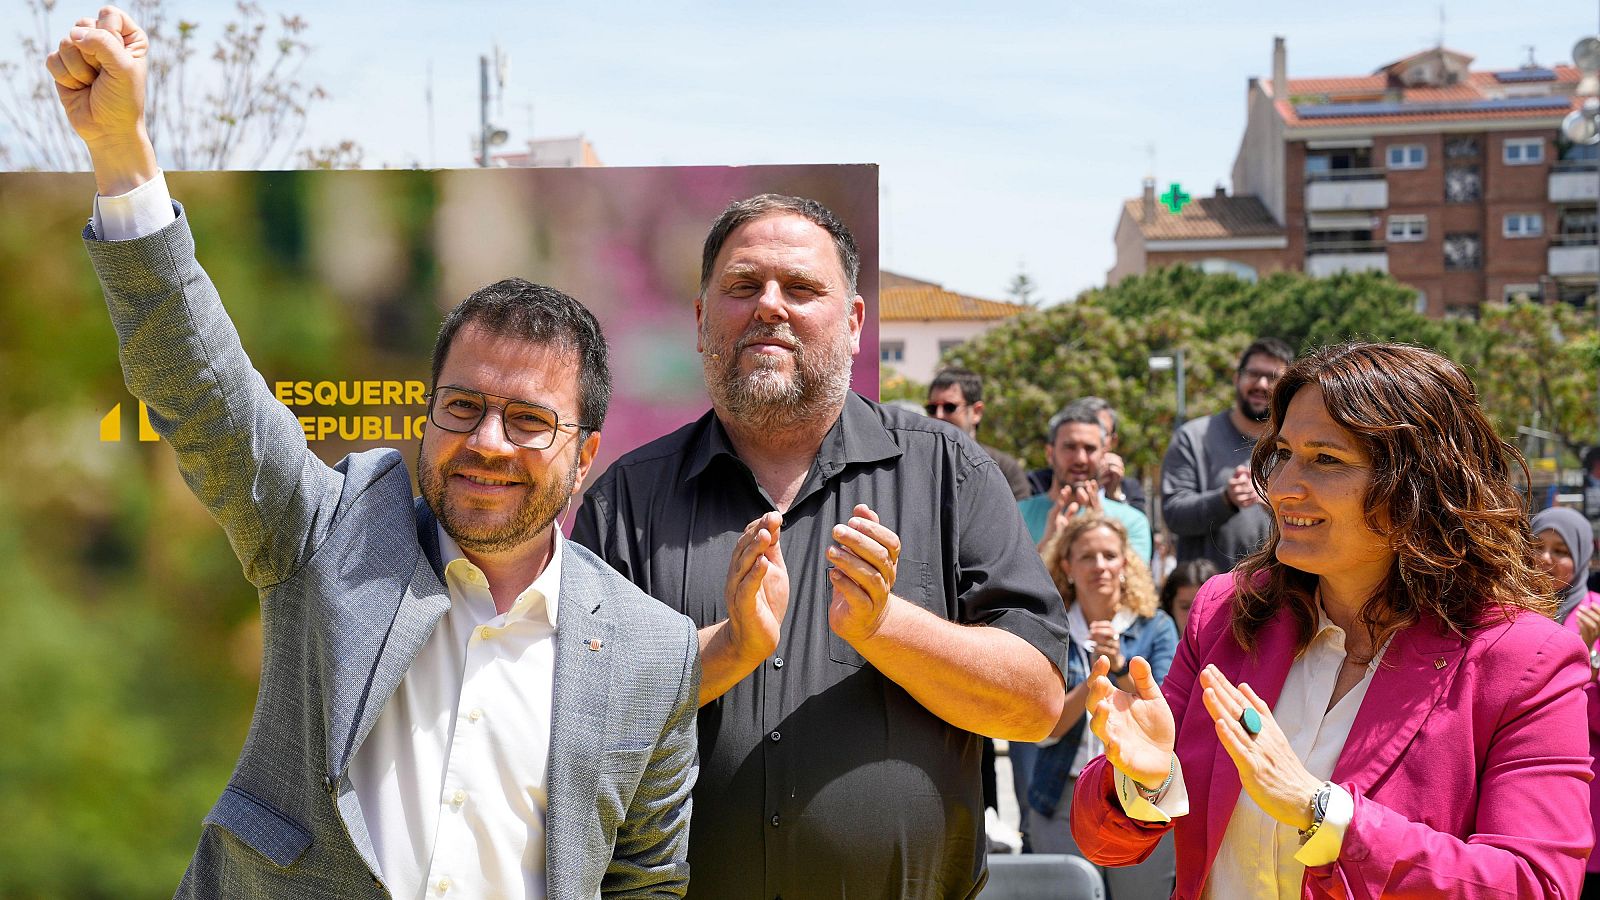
(425, 727)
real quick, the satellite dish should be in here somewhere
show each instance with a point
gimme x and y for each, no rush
(1579, 126)
(1586, 54)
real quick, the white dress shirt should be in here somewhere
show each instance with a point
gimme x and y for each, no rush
(453, 777)
(1259, 856)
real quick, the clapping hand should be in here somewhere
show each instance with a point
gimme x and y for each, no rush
(863, 564)
(757, 591)
(1137, 728)
(1269, 770)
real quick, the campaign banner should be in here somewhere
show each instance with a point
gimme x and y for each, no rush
(130, 650)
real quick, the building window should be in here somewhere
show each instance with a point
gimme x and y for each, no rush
(1462, 252)
(1463, 184)
(949, 344)
(1214, 266)
(1523, 225)
(1524, 151)
(1408, 156)
(891, 352)
(1461, 148)
(1421, 305)
(1523, 292)
(1407, 228)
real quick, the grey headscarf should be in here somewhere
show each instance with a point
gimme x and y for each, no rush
(1579, 535)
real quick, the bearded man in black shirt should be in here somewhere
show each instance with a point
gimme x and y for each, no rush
(868, 599)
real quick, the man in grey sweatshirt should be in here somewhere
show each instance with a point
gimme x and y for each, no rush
(1207, 498)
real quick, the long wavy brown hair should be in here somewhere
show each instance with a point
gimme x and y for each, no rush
(1138, 589)
(1441, 477)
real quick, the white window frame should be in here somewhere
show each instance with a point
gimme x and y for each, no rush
(1524, 145)
(945, 345)
(1512, 290)
(1522, 230)
(1405, 236)
(897, 348)
(1421, 162)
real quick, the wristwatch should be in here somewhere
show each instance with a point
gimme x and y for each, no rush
(1319, 810)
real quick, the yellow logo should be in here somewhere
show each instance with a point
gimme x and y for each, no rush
(111, 424)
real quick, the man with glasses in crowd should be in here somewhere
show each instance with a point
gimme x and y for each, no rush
(956, 396)
(1207, 498)
(455, 701)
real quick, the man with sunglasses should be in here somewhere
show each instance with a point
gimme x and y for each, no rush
(956, 396)
(455, 701)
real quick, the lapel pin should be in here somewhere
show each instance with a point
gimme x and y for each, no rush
(1438, 663)
(595, 644)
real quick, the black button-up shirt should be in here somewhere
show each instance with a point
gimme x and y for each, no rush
(820, 777)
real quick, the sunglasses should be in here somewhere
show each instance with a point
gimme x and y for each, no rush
(948, 409)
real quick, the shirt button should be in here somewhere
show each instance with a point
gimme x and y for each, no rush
(777, 662)
(443, 887)
(776, 737)
(458, 798)
(775, 820)
(475, 715)
(484, 632)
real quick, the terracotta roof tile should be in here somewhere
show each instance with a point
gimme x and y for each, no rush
(1207, 218)
(929, 301)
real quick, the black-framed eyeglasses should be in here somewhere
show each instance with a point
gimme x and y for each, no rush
(528, 425)
(947, 408)
(1251, 376)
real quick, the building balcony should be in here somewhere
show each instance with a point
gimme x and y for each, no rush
(1574, 181)
(1324, 258)
(1573, 254)
(1346, 189)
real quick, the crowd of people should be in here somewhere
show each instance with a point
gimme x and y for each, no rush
(769, 656)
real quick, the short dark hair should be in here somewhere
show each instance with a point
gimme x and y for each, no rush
(1189, 573)
(1267, 346)
(762, 205)
(1080, 412)
(970, 382)
(539, 315)
(1101, 404)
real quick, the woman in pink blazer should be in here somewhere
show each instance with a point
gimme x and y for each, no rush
(1377, 703)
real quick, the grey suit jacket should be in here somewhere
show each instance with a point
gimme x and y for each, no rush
(348, 568)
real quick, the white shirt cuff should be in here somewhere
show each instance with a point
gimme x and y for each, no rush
(139, 213)
(1173, 803)
(1324, 846)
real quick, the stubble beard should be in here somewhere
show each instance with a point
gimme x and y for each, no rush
(542, 502)
(1250, 412)
(768, 399)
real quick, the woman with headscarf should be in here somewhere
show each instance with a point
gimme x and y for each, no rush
(1377, 703)
(1565, 542)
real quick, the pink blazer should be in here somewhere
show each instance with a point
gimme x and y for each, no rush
(1469, 763)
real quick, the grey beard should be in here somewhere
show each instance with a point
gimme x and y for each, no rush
(764, 400)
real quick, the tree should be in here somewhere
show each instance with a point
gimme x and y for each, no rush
(1532, 364)
(1022, 289)
(246, 109)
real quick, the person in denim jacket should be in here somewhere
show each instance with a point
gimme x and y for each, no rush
(1112, 611)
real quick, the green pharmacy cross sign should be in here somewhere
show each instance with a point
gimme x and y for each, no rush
(1175, 199)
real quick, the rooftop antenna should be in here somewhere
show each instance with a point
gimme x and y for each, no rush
(1531, 63)
(1441, 26)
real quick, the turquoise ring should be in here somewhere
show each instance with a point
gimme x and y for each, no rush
(1250, 721)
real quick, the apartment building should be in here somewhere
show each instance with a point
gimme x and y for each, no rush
(1453, 180)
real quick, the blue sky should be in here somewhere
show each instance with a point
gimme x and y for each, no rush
(1007, 133)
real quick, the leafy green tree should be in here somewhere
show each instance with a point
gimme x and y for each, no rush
(1531, 363)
